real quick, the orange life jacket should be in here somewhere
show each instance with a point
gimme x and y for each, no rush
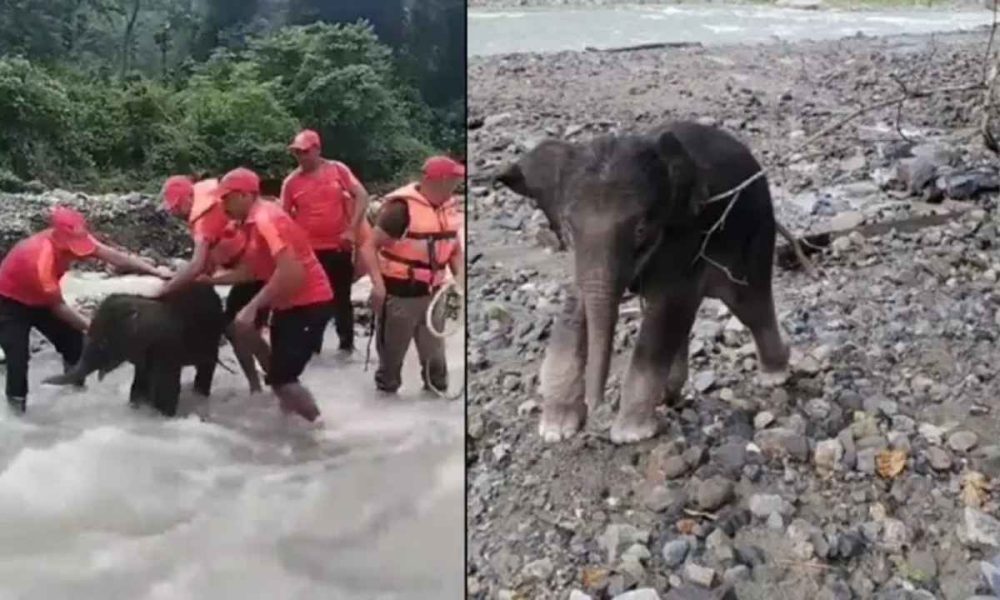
(431, 239)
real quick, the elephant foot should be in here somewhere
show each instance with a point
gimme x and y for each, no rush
(631, 428)
(773, 378)
(560, 421)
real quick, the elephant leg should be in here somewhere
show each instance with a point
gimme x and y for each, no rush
(662, 341)
(754, 307)
(678, 373)
(204, 373)
(139, 392)
(165, 386)
(561, 377)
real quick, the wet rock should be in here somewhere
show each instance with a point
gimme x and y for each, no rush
(713, 493)
(979, 528)
(699, 575)
(828, 454)
(765, 505)
(894, 536)
(850, 544)
(719, 544)
(735, 575)
(749, 555)
(703, 381)
(674, 552)
(915, 173)
(779, 441)
(661, 497)
(923, 565)
(618, 536)
(538, 570)
(762, 419)
(846, 220)
(938, 459)
(578, 595)
(674, 467)
(639, 594)
(962, 441)
(866, 460)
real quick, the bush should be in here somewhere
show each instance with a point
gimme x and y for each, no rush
(239, 126)
(235, 109)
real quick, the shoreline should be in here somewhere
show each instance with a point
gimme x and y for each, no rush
(485, 6)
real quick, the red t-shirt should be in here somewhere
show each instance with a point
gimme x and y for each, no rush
(320, 202)
(269, 231)
(31, 271)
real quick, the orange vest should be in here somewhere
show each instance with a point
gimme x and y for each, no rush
(431, 239)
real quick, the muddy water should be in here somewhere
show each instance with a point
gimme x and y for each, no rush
(552, 30)
(232, 501)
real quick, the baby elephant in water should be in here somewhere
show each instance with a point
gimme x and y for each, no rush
(159, 337)
(644, 212)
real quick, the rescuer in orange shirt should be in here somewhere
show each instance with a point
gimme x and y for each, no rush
(30, 295)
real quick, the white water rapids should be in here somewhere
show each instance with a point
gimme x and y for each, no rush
(102, 502)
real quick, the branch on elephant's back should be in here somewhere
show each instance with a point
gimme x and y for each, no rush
(734, 195)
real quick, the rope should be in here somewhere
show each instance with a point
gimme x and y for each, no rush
(442, 334)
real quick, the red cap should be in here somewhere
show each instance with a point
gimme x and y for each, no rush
(175, 189)
(442, 167)
(238, 180)
(306, 139)
(69, 231)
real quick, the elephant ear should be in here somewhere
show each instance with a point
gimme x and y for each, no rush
(685, 189)
(538, 175)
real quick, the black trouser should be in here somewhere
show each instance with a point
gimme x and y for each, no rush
(339, 267)
(294, 333)
(239, 296)
(16, 321)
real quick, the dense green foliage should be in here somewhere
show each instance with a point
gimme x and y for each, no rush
(120, 93)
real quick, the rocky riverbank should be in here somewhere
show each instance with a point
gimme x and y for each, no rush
(872, 473)
(134, 221)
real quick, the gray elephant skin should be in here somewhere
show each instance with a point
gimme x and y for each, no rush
(635, 210)
(159, 337)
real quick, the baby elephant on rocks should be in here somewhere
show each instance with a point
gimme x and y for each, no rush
(159, 337)
(644, 213)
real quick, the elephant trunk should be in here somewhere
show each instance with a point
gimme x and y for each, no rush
(600, 300)
(76, 375)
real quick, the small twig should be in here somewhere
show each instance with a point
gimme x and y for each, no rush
(989, 82)
(899, 107)
(798, 563)
(720, 223)
(989, 45)
(736, 190)
(725, 270)
(882, 104)
(698, 513)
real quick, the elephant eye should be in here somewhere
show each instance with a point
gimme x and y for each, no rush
(640, 232)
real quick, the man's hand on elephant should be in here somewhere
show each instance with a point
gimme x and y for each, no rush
(164, 273)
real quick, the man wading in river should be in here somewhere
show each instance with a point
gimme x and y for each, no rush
(218, 242)
(416, 241)
(329, 203)
(297, 289)
(30, 295)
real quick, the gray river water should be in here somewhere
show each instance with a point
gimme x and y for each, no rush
(551, 30)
